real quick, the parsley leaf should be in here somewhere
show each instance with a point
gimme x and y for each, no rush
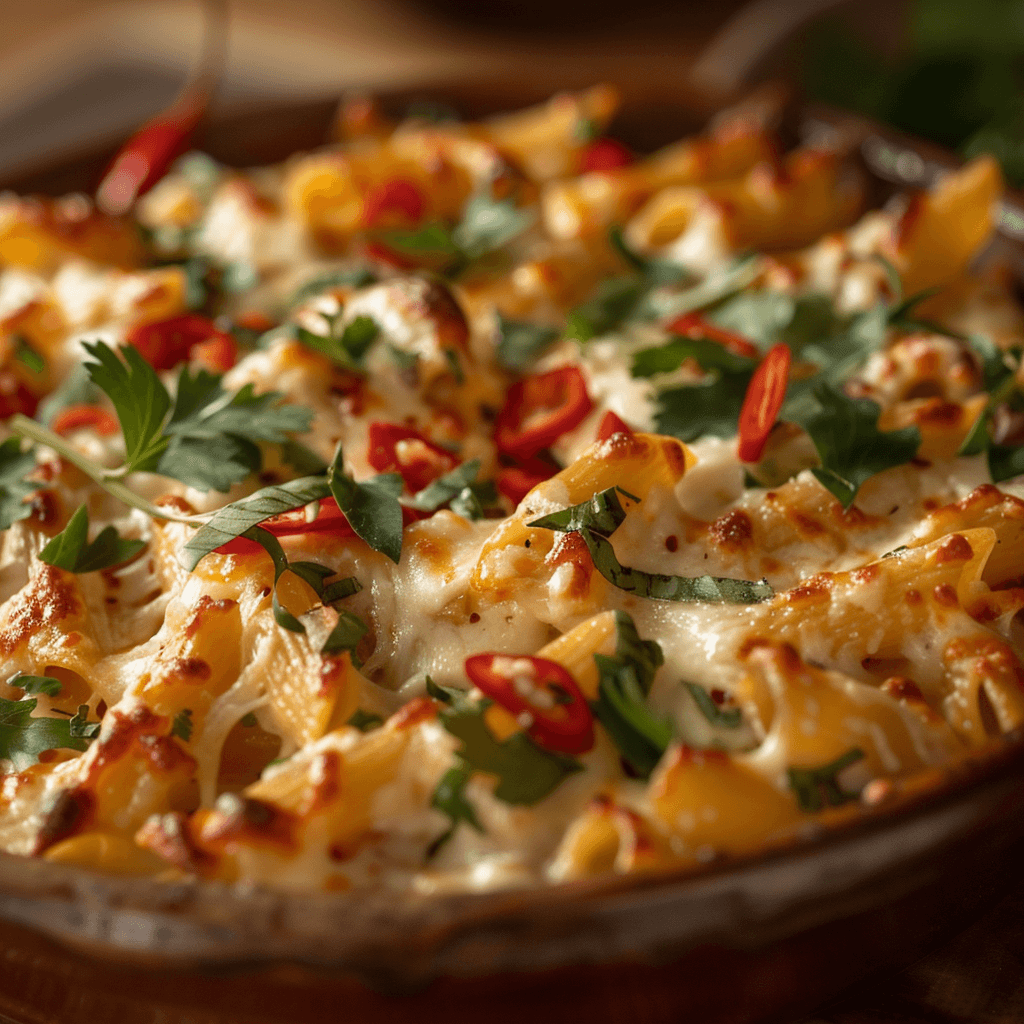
(140, 401)
(615, 300)
(372, 507)
(23, 738)
(71, 549)
(37, 684)
(233, 520)
(182, 725)
(521, 343)
(816, 788)
(654, 270)
(525, 773)
(15, 465)
(850, 445)
(709, 354)
(624, 682)
(352, 277)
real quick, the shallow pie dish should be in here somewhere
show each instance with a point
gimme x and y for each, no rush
(748, 940)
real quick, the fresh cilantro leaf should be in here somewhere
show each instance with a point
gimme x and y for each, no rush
(621, 707)
(347, 348)
(15, 465)
(372, 507)
(212, 434)
(340, 589)
(352, 277)
(816, 788)
(760, 316)
(711, 355)
(487, 224)
(233, 520)
(615, 300)
(663, 304)
(467, 496)
(596, 520)
(140, 401)
(27, 355)
(525, 773)
(449, 798)
(850, 445)
(521, 343)
(654, 270)
(696, 410)
(345, 636)
(23, 738)
(431, 241)
(182, 725)
(37, 684)
(81, 727)
(727, 718)
(364, 721)
(71, 550)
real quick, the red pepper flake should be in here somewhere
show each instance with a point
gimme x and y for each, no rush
(605, 154)
(765, 395)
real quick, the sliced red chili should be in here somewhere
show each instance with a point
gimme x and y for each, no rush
(542, 695)
(605, 154)
(540, 409)
(379, 251)
(166, 343)
(217, 354)
(693, 325)
(398, 201)
(15, 397)
(77, 417)
(396, 449)
(611, 425)
(255, 320)
(765, 395)
(516, 482)
(144, 159)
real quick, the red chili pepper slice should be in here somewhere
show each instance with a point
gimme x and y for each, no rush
(15, 397)
(218, 354)
(143, 160)
(379, 251)
(611, 425)
(538, 692)
(765, 395)
(396, 449)
(396, 197)
(605, 154)
(75, 417)
(516, 482)
(540, 409)
(693, 325)
(166, 343)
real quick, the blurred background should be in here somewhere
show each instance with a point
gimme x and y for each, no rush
(74, 73)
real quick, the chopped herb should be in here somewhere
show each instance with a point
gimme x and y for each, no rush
(662, 304)
(449, 798)
(816, 788)
(37, 684)
(340, 589)
(445, 694)
(364, 721)
(249, 721)
(726, 718)
(653, 270)
(352, 277)
(525, 773)
(23, 737)
(345, 636)
(15, 465)
(347, 348)
(621, 707)
(710, 355)
(521, 343)
(596, 520)
(460, 488)
(372, 507)
(71, 550)
(182, 725)
(302, 459)
(850, 445)
(27, 355)
(233, 520)
(615, 300)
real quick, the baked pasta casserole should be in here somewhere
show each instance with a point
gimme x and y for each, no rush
(465, 506)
